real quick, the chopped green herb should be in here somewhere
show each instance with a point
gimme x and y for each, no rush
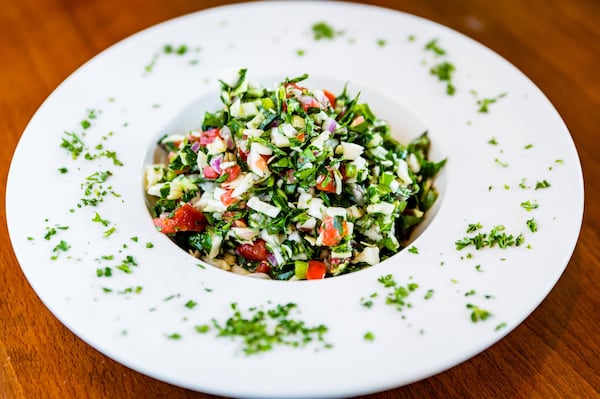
(434, 47)
(532, 224)
(109, 232)
(444, 71)
(523, 184)
(477, 313)
(98, 219)
(63, 170)
(149, 245)
(62, 246)
(413, 250)
(85, 124)
(542, 184)
(484, 103)
(105, 272)
(398, 294)
(501, 163)
(428, 294)
(73, 144)
(493, 141)
(174, 336)
(472, 227)
(300, 52)
(496, 236)
(528, 146)
(500, 326)
(322, 30)
(191, 304)
(381, 42)
(261, 330)
(202, 329)
(369, 336)
(368, 302)
(529, 206)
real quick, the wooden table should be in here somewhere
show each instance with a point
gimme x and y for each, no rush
(553, 354)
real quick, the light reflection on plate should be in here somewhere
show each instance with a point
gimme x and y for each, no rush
(135, 89)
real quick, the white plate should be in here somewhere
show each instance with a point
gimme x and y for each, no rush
(136, 90)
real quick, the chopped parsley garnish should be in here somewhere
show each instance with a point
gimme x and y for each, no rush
(500, 326)
(51, 231)
(63, 170)
(202, 329)
(73, 144)
(369, 336)
(484, 103)
(413, 250)
(501, 163)
(444, 71)
(472, 227)
(180, 50)
(381, 42)
(191, 304)
(98, 219)
(368, 302)
(532, 224)
(397, 294)
(261, 330)
(542, 184)
(109, 232)
(477, 313)
(496, 236)
(434, 47)
(322, 30)
(104, 272)
(62, 246)
(529, 206)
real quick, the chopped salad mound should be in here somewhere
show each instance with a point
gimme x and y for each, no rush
(290, 183)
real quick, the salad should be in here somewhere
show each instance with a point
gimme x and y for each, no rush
(290, 183)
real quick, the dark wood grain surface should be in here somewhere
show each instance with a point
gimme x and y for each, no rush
(553, 354)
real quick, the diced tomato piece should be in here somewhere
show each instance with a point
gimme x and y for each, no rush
(263, 267)
(330, 96)
(208, 136)
(226, 198)
(300, 137)
(332, 234)
(313, 103)
(185, 218)
(209, 172)
(256, 251)
(326, 182)
(233, 172)
(316, 270)
(243, 154)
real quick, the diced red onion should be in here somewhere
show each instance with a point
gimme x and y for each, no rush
(195, 146)
(272, 259)
(330, 125)
(215, 163)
